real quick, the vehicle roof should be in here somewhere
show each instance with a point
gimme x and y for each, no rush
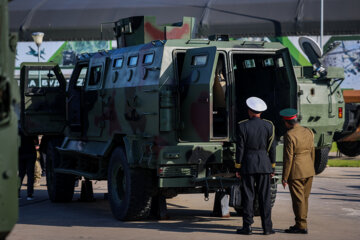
(181, 43)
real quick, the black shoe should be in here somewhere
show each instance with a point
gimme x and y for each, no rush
(246, 230)
(269, 232)
(294, 229)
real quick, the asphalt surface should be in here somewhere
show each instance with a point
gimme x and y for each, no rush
(334, 214)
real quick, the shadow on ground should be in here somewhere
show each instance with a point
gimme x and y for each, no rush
(181, 218)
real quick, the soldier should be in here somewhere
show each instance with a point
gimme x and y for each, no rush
(298, 170)
(27, 158)
(255, 164)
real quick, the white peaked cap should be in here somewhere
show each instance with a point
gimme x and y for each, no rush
(256, 104)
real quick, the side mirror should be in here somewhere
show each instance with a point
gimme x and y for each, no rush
(314, 53)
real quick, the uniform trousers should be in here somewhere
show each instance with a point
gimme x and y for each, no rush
(300, 191)
(257, 184)
(27, 167)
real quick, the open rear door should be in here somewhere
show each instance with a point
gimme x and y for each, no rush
(196, 83)
(43, 105)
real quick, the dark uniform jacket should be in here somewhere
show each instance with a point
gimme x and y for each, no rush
(28, 143)
(255, 151)
(299, 153)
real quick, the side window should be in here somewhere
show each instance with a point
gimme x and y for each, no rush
(249, 63)
(132, 61)
(95, 75)
(41, 79)
(118, 63)
(269, 62)
(280, 62)
(148, 58)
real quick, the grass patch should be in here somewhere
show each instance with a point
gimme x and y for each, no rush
(333, 147)
(343, 163)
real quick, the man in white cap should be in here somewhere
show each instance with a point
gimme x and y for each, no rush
(255, 164)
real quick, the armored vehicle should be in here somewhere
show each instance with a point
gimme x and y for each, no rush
(157, 117)
(9, 96)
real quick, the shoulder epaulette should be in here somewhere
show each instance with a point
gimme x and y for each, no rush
(269, 121)
(271, 139)
(243, 121)
(311, 131)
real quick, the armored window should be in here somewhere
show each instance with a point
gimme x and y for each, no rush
(42, 79)
(199, 60)
(279, 62)
(249, 63)
(148, 58)
(268, 62)
(82, 75)
(118, 63)
(95, 76)
(132, 62)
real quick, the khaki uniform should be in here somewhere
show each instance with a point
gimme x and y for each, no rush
(298, 170)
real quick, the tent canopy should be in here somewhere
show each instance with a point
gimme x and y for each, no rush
(92, 19)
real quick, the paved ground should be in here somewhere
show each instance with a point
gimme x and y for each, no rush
(334, 214)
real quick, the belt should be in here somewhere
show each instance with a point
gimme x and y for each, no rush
(303, 152)
(256, 150)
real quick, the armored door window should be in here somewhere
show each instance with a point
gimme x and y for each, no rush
(95, 76)
(82, 76)
(39, 81)
(199, 60)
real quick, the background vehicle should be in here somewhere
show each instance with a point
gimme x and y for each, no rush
(156, 118)
(348, 141)
(9, 96)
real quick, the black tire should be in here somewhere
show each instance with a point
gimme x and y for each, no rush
(321, 159)
(60, 186)
(273, 192)
(130, 190)
(351, 149)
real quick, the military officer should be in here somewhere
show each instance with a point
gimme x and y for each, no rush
(298, 170)
(255, 164)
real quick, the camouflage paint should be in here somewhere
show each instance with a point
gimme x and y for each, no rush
(164, 120)
(9, 98)
(144, 30)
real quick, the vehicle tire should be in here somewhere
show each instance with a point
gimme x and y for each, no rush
(321, 159)
(351, 149)
(130, 190)
(60, 186)
(273, 192)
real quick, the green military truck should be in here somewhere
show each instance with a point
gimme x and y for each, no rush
(157, 117)
(9, 96)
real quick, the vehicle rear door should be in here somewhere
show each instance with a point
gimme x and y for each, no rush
(195, 85)
(43, 96)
